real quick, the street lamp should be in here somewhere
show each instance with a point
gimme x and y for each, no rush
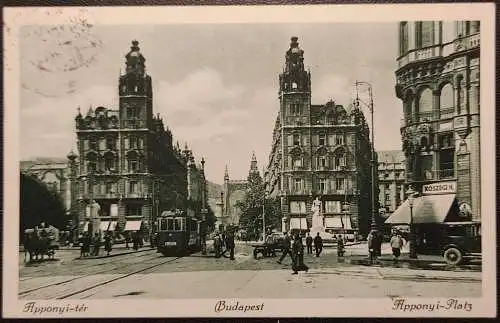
(374, 225)
(411, 196)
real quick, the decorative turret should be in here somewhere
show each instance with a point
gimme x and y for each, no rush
(294, 77)
(135, 60)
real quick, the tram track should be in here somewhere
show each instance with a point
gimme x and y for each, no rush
(73, 280)
(116, 278)
(83, 267)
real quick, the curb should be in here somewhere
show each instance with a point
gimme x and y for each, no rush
(115, 254)
(422, 264)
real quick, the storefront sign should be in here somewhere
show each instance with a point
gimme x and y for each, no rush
(439, 188)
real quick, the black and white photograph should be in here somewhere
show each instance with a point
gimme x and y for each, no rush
(253, 161)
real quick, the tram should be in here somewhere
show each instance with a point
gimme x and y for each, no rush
(179, 233)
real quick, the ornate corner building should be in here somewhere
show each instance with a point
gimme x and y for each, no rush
(129, 169)
(437, 81)
(318, 151)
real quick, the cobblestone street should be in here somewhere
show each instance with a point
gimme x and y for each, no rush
(148, 274)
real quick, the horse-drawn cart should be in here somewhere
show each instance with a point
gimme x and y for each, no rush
(268, 248)
(40, 242)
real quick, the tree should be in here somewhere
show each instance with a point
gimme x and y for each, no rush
(251, 208)
(39, 204)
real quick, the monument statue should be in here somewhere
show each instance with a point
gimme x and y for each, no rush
(317, 218)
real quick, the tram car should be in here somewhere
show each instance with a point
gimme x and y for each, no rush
(179, 233)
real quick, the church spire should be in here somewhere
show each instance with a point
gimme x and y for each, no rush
(253, 164)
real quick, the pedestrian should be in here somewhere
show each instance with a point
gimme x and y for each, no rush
(97, 244)
(371, 239)
(107, 243)
(309, 242)
(340, 246)
(230, 245)
(127, 239)
(318, 244)
(378, 243)
(81, 245)
(396, 244)
(299, 254)
(286, 248)
(135, 240)
(217, 245)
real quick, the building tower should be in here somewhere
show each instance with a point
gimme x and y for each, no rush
(320, 154)
(437, 81)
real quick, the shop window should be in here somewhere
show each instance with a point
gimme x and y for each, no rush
(332, 207)
(134, 210)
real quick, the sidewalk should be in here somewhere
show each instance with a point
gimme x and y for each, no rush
(358, 255)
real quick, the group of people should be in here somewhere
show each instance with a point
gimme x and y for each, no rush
(318, 244)
(374, 240)
(223, 243)
(135, 238)
(90, 246)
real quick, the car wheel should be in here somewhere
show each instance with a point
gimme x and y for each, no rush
(255, 254)
(453, 256)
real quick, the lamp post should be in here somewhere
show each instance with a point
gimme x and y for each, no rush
(411, 196)
(374, 225)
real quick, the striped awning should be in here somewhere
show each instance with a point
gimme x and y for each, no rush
(426, 209)
(133, 226)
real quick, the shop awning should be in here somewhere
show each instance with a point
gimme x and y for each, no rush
(426, 209)
(298, 223)
(133, 226)
(104, 225)
(112, 225)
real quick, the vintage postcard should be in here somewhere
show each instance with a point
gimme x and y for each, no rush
(260, 161)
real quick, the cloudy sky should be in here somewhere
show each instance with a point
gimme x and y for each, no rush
(216, 86)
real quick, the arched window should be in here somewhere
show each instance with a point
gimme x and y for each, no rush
(425, 103)
(322, 161)
(446, 104)
(339, 161)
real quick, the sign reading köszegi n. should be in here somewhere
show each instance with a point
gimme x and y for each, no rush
(439, 188)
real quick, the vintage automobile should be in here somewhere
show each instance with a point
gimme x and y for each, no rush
(457, 242)
(268, 248)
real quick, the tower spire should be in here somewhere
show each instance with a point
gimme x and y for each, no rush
(226, 174)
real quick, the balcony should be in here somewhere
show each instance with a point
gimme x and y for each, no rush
(468, 42)
(447, 113)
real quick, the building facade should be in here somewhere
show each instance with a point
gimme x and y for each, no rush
(233, 192)
(391, 180)
(58, 174)
(129, 168)
(318, 151)
(437, 81)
